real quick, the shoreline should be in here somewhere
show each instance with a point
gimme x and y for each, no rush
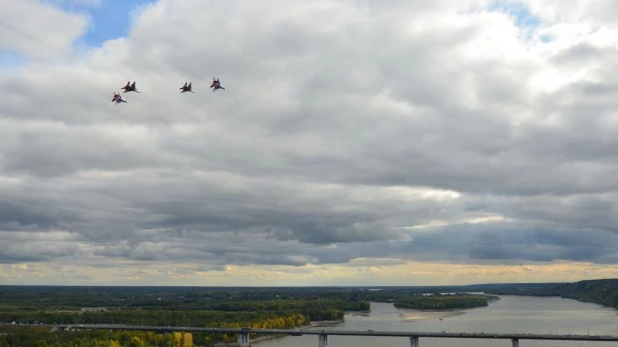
(257, 340)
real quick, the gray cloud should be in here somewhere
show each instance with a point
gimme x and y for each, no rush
(518, 242)
(336, 136)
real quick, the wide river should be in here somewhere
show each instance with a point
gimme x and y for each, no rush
(511, 314)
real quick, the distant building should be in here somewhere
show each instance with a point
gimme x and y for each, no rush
(94, 309)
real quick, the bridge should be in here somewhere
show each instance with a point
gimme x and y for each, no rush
(413, 336)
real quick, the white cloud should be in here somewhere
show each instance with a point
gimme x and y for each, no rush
(38, 30)
(590, 12)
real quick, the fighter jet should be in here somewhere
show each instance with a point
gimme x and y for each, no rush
(117, 98)
(186, 88)
(130, 87)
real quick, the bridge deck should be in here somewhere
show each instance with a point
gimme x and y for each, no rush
(298, 332)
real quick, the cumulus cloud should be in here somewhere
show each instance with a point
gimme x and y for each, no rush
(37, 29)
(395, 131)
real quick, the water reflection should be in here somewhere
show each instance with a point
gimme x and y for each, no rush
(512, 314)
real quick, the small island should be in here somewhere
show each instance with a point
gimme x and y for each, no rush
(437, 301)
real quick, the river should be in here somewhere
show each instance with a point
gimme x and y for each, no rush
(511, 314)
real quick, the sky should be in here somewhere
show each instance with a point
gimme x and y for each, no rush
(357, 142)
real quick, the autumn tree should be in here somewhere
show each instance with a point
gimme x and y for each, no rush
(137, 342)
(177, 339)
(187, 340)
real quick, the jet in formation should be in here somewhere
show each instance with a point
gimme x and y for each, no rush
(117, 98)
(130, 87)
(186, 88)
(216, 84)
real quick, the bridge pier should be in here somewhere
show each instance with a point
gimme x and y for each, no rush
(515, 342)
(323, 340)
(414, 341)
(243, 339)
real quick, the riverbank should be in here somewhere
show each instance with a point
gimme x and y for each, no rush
(259, 339)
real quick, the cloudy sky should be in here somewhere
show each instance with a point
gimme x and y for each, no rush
(359, 142)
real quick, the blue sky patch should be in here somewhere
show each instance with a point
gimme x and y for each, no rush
(523, 17)
(10, 60)
(111, 19)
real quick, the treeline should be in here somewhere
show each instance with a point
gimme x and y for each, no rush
(253, 306)
(602, 292)
(195, 318)
(40, 336)
(71, 298)
(443, 302)
(23, 298)
(98, 338)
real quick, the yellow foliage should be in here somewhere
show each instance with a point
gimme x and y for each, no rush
(137, 342)
(187, 340)
(113, 343)
(177, 339)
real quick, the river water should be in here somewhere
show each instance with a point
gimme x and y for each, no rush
(511, 314)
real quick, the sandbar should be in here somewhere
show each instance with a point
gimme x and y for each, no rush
(415, 316)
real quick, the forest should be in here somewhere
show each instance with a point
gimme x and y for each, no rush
(602, 292)
(444, 302)
(41, 335)
(196, 307)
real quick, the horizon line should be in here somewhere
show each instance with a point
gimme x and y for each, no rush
(302, 286)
